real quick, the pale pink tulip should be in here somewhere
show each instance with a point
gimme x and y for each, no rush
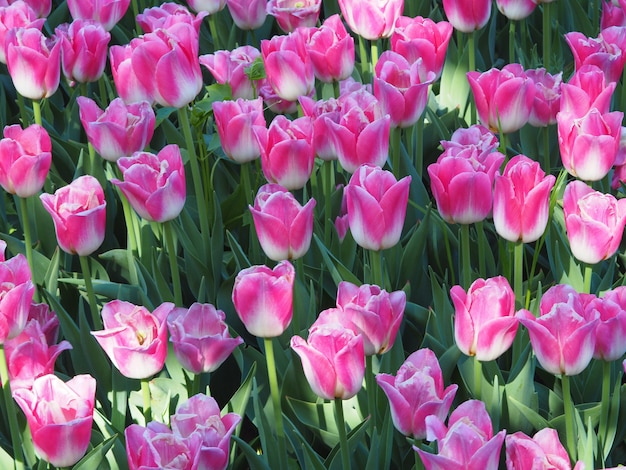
(209, 6)
(516, 9)
(168, 14)
(543, 450)
(331, 49)
(248, 14)
(129, 88)
(292, 14)
(547, 97)
(229, 67)
(84, 48)
(371, 19)
(467, 15)
(611, 330)
(16, 296)
(16, 15)
(235, 122)
(106, 12)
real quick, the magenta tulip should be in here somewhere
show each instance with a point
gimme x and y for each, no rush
(594, 222)
(284, 227)
(376, 206)
(248, 14)
(26, 157)
(42, 8)
(60, 416)
(605, 51)
(333, 361)
(229, 67)
(16, 15)
(200, 337)
(78, 211)
(543, 450)
(586, 90)
(84, 48)
(467, 15)
(167, 15)
(477, 138)
(16, 296)
(263, 298)
(292, 14)
(134, 339)
(154, 184)
(331, 49)
(613, 14)
(119, 130)
(129, 88)
(106, 12)
(371, 19)
(521, 200)
(516, 9)
(611, 329)
(417, 391)
(547, 97)
(323, 113)
(235, 122)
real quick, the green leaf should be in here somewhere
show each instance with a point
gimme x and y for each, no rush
(337, 270)
(95, 456)
(255, 460)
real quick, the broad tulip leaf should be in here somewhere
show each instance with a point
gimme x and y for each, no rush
(96, 455)
(255, 460)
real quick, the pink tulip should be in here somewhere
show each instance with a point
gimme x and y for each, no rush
(516, 9)
(547, 97)
(417, 392)
(200, 337)
(333, 361)
(292, 14)
(331, 49)
(229, 67)
(119, 130)
(134, 339)
(562, 338)
(613, 14)
(84, 48)
(168, 14)
(415, 38)
(26, 157)
(33, 62)
(322, 112)
(611, 330)
(484, 320)
(200, 417)
(402, 88)
(263, 298)
(473, 140)
(248, 14)
(42, 8)
(235, 121)
(371, 19)
(467, 443)
(288, 66)
(605, 51)
(283, 226)
(60, 416)
(504, 98)
(106, 12)
(287, 155)
(209, 6)
(154, 184)
(274, 102)
(586, 90)
(521, 200)
(127, 83)
(376, 204)
(78, 211)
(47, 320)
(467, 15)
(594, 222)
(16, 295)
(544, 450)
(16, 15)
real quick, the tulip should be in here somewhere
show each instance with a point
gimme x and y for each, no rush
(547, 97)
(16, 15)
(333, 361)
(484, 321)
(376, 206)
(543, 450)
(516, 9)
(594, 222)
(283, 226)
(274, 102)
(78, 211)
(248, 14)
(287, 155)
(129, 88)
(200, 337)
(235, 121)
(613, 14)
(611, 329)
(41, 8)
(562, 338)
(504, 98)
(263, 298)
(209, 6)
(60, 416)
(371, 19)
(33, 62)
(475, 139)
(16, 295)
(586, 90)
(292, 14)
(47, 320)
(26, 157)
(134, 339)
(168, 14)
(521, 200)
(106, 12)
(84, 48)
(154, 184)
(331, 49)
(229, 67)
(324, 114)
(467, 442)
(605, 51)
(119, 130)
(467, 15)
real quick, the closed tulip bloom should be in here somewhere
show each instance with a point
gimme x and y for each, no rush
(33, 62)
(200, 337)
(134, 339)
(417, 391)
(322, 112)
(613, 14)
(284, 227)
(547, 97)
(292, 14)
(78, 211)
(16, 15)
(229, 67)
(467, 15)
(467, 442)
(611, 328)
(287, 154)
(605, 51)
(16, 295)
(543, 450)
(331, 49)
(106, 12)
(210, 6)
(154, 184)
(594, 222)
(84, 48)
(263, 298)
(235, 122)
(60, 416)
(521, 200)
(333, 361)
(119, 130)
(167, 15)
(376, 206)
(475, 140)
(586, 90)
(371, 19)
(484, 320)
(42, 8)
(248, 14)
(26, 157)
(127, 83)
(504, 98)
(516, 9)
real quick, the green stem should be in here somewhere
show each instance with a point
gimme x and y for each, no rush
(22, 106)
(511, 41)
(336, 89)
(547, 41)
(343, 436)
(37, 112)
(569, 417)
(376, 265)
(171, 251)
(374, 55)
(604, 409)
(371, 390)
(587, 279)
(93, 305)
(214, 34)
(482, 243)
(518, 270)
(147, 400)
(278, 415)
(28, 242)
(365, 65)
(135, 7)
(396, 134)
(466, 268)
(195, 384)
(328, 174)
(478, 379)
(471, 44)
(418, 149)
(546, 147)
(18, 457)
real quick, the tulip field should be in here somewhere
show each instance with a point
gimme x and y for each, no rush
(314, 234)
